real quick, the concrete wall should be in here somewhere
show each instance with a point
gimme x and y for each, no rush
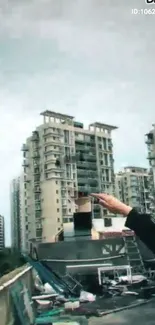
(83, 204)
(6, 308)
(118, 224)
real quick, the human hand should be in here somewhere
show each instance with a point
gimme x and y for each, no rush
(112, 204)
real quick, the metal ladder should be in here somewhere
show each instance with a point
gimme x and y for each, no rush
(134, 257)
(72, 283)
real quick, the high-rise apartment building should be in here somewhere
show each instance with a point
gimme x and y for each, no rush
(15, 213)
(150, 141)
(63, 161)
(2, 233)
(132, 187)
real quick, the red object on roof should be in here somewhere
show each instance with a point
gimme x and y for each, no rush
(118, 234)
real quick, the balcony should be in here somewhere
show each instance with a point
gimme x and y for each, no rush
(25, 164)
(54, 169)
(84, 189)
(35, 136)
(26, 180)
(149, 138)
(36, 171)
(82, 148)
(90, 158)
(53, 151)
(53, 142)
(24, 148)
(88, 189)
(92, 182)
(37, 207)
(49, 132)
(36, 155)
(82, 180)
(151, 155)
(37, 181)
(38, 214)
(86, 165)
(37, 189)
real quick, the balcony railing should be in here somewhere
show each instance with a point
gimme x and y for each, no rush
(149, 141)
(151, 155)
(25, 163)
(24, 148)
(85, 164)
(36, 155)
(48, 132)
(35, 136)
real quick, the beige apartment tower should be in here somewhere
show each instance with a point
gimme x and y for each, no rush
(63, 162)
(132, 187)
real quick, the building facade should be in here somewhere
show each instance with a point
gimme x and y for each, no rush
(132, 187)
(2, 233)
(63, 162)
(150, 142)
(15, 214)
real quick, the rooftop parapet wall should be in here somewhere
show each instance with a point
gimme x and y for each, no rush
(6, 308)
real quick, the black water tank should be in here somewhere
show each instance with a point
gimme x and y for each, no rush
(82, 221)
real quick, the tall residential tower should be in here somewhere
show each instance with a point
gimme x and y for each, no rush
(132, 187)
(15, 214)
(63, 161)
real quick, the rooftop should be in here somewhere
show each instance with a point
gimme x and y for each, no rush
(132, 169)
(57, 115)
(102, 125)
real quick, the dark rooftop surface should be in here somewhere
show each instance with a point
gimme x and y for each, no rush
(143, 315)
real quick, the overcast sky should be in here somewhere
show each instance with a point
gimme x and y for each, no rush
(89, 58)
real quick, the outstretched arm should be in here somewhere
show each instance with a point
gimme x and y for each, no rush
(144, 227)
(142, 224)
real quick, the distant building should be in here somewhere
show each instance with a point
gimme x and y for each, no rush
(63, 162)
(2, 233)
(15, 214)
(132, 187)
(150, 142)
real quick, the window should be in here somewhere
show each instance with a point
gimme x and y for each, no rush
(57, 201)
(69, 210)
(58, 210)
(58, 219)
(57, 192)
(56, 182)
